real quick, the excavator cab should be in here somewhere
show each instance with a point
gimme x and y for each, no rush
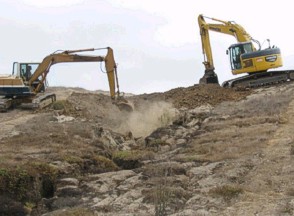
(24, 69)
(244, 59)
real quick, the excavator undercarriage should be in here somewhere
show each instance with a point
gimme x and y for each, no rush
(35, 102)
(252, 80)
(261, 79)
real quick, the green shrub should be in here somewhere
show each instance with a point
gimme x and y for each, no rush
(15, 182)
(58, 105)
(29, 182)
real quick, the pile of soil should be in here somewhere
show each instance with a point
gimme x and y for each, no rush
(197, 95)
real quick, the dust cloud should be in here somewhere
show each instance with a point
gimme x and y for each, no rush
(144, 120)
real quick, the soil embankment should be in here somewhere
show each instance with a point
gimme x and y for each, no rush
(201, 150)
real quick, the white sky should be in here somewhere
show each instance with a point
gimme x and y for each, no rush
(156, 42)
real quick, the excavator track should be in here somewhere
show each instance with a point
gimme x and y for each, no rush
(261, 79)
(7, 103)
(38, 102)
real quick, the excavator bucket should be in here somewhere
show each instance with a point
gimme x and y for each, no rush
(209, 77)
(124, 105)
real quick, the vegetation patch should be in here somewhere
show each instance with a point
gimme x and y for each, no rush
(226, 191)
(74, 212)
(164, 170)
(47, 175)
(287, 208)
(72, 159)
(97, 164)
(290, 192)
(131, 159)
(15, 182)
(64, 107)
(28, 183)
(292, 149)
(166, 199)
(155, 144)
(183, 158)
(59, 105)
(8, 206)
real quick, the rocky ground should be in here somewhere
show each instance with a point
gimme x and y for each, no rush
(201, 150)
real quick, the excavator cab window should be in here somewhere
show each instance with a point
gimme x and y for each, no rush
(247, 47)
(235, 54)
(27, 70)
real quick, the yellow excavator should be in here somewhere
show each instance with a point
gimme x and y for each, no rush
(26, 88)
(245, 58)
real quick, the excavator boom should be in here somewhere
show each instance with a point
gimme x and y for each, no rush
(69, 56)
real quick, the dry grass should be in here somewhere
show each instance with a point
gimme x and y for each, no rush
(232, 141)
(78, 211)
(268, 105)
(163, 169)
(191, 157)
(249, 126)
(166, 199)
(155, 145)
(292, 149)
(165, 191)
(287, 209)
(290, 192)
(227, 192)
(103, 164)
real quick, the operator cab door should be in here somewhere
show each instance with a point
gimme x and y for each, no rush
(236, 51)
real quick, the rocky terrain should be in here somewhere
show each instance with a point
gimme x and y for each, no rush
(201, 150)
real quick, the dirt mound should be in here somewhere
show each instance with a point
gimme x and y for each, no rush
(197, 95)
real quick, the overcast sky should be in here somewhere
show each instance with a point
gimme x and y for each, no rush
(156, 42)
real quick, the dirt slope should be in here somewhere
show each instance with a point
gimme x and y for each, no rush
(201, 150)
(270, 186)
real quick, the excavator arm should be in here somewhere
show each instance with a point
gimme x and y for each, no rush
(224, 27)
(220, 26)
(70, 56)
